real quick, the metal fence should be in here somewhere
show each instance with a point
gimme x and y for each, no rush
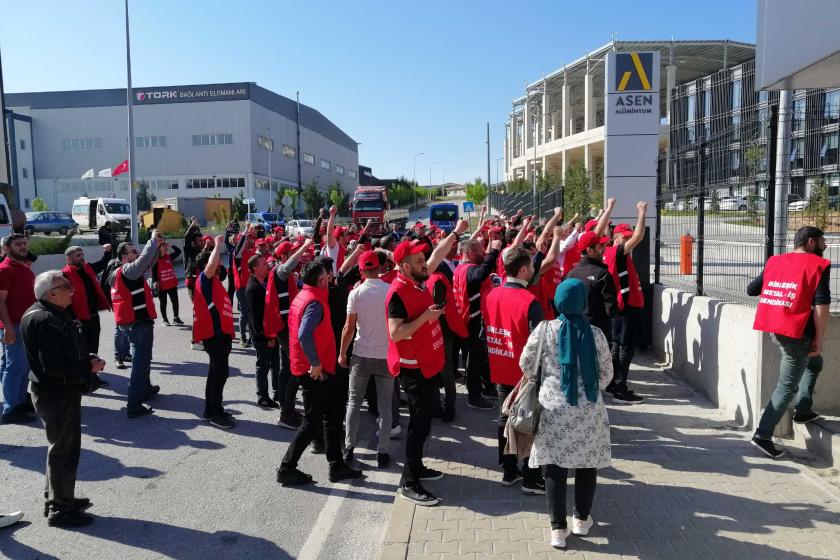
(728, 200)
(509, 204)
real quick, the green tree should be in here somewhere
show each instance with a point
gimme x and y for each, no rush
(238, 207)
(518, 185)
(144, 197)
(291, 193)
(312, 198)
(818, 204)
(754, 158)
(577, 192)
(598, 184)
(476, 191)
(38, 205)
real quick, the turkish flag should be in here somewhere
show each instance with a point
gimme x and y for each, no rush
(121, 168)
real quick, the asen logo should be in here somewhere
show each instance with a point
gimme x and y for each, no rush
(633, 71)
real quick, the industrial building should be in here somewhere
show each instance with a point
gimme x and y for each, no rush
(195, 140)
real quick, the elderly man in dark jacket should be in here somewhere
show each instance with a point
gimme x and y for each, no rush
(62, 370)
(595, 275)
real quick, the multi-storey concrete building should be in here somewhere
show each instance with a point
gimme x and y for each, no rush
(204, 140)
(560, 119)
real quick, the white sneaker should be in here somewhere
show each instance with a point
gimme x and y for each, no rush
(7, 519)
(581, 527)
(197, 346)
(558, 538)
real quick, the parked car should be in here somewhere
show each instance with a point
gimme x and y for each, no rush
(742, 203)
(796, 203)
(267, 219)
(295, 227)
(48, 222)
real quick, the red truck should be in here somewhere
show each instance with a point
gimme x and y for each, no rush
(371, 203)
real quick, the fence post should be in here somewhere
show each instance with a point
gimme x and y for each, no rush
(657, 250)
(770, 202)
(701, 217)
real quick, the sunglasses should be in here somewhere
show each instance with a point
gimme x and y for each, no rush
(63, 286)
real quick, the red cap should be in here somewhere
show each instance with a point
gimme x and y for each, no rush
(590, 225)
(339, 231)
(279, 229)
(283, 248)
(407, 248)
(262, 241)
(206, 238)
(623, 229)
(590, 239)
(368, 260)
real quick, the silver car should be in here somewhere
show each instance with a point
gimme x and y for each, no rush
(299, 227)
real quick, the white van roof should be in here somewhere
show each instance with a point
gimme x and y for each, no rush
(85, 198)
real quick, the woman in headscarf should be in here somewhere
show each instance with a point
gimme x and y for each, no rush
(574, 431)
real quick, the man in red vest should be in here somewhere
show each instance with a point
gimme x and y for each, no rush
(88, 297)
(166, 282)
(213, 326)
(312, 353)
(134, 313)
(512, 313)
(794, 303)
(416, 353)
(245, 248)
(627, 323)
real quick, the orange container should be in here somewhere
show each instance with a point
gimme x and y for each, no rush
(686, 253)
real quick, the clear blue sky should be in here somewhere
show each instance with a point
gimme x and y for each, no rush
(399, 77)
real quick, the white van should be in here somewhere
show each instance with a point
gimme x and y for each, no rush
(92, 213)
(5, 218)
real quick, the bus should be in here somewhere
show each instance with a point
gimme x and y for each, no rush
(444, 216)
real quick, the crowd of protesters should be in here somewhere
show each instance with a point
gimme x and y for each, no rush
(342, 317)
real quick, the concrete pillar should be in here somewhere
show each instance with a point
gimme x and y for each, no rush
(545, 114)
(588, 102)
(565, 110)
(564, 164)
(526, 127)
(587, 157)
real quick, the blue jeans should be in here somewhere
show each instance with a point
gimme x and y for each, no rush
(141, 335)
(243, 313)
(14, 370)
(121, 344)
(797, 376)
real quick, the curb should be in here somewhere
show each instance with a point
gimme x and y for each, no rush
(398, 531)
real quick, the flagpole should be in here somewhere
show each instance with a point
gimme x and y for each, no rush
(129, 95)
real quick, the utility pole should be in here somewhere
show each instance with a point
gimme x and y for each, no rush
(489, 188)
(270, 146)
(129, 95)
(783, 147)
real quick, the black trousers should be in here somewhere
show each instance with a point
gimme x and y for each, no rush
(446, 379)
(478, 365)
(60, 410)
(91, 330)
(218, 350)
(268, 359)
(555, 493)
(509, 462)
(231, 285)
(422, 394)
(626, 328)
(323, 419)
(286, 390)
(172, 294)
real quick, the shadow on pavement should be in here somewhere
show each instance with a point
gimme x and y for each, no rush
(92, 465)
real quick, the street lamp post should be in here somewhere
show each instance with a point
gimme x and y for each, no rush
(270, 145)
(429, 190)
(414, 178)
(443, 182)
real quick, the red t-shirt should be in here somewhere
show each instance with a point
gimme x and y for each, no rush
(19, 281)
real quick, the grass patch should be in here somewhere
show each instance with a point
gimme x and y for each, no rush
(49, 245)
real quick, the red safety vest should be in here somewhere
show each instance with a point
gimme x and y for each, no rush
(127, 302)
(570, 260)
(203, 320)
(339, 259)
(424, 349)
(80, 301)
(549, 282)
(389, 276)
(277, 305)
(500, 265)
(166, 273)
(506, 326)
(324, 339)
(453, 319)
(242, 273)
(787, 295)
(631, 295)
(469, 308)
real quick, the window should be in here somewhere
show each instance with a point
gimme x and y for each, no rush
(289, 152)
(832, 107)
(828, 149)
(309, 158)
(351, 174)
(832, 181)
(150, 141)
(736, 126)
(797, 154)
(212, 139)
(24, 172)
(736, 94)
(691, 113)
(735, 161)
(266, 144)
(23, 147)
(325, 164)
(798, 122)
(162, 184)
(81, 144)
(339, 170)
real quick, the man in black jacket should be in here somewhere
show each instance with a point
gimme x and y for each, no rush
(62, 370)
(592, 271)
(268, 352)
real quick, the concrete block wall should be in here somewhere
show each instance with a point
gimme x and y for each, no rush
(711, 344)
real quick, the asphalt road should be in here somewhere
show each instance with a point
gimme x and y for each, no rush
(172, 486)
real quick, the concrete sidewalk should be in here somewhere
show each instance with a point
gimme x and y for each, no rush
(681, 485)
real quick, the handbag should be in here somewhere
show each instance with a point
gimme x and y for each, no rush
(526, 408)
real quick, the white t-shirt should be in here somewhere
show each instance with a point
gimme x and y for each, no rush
(332, 253)
(367, 301)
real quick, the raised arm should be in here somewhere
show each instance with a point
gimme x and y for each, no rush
(549, 225)
(604, 220)
(445, 244)
(215, 257)
(639, 232)
(331, 240)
